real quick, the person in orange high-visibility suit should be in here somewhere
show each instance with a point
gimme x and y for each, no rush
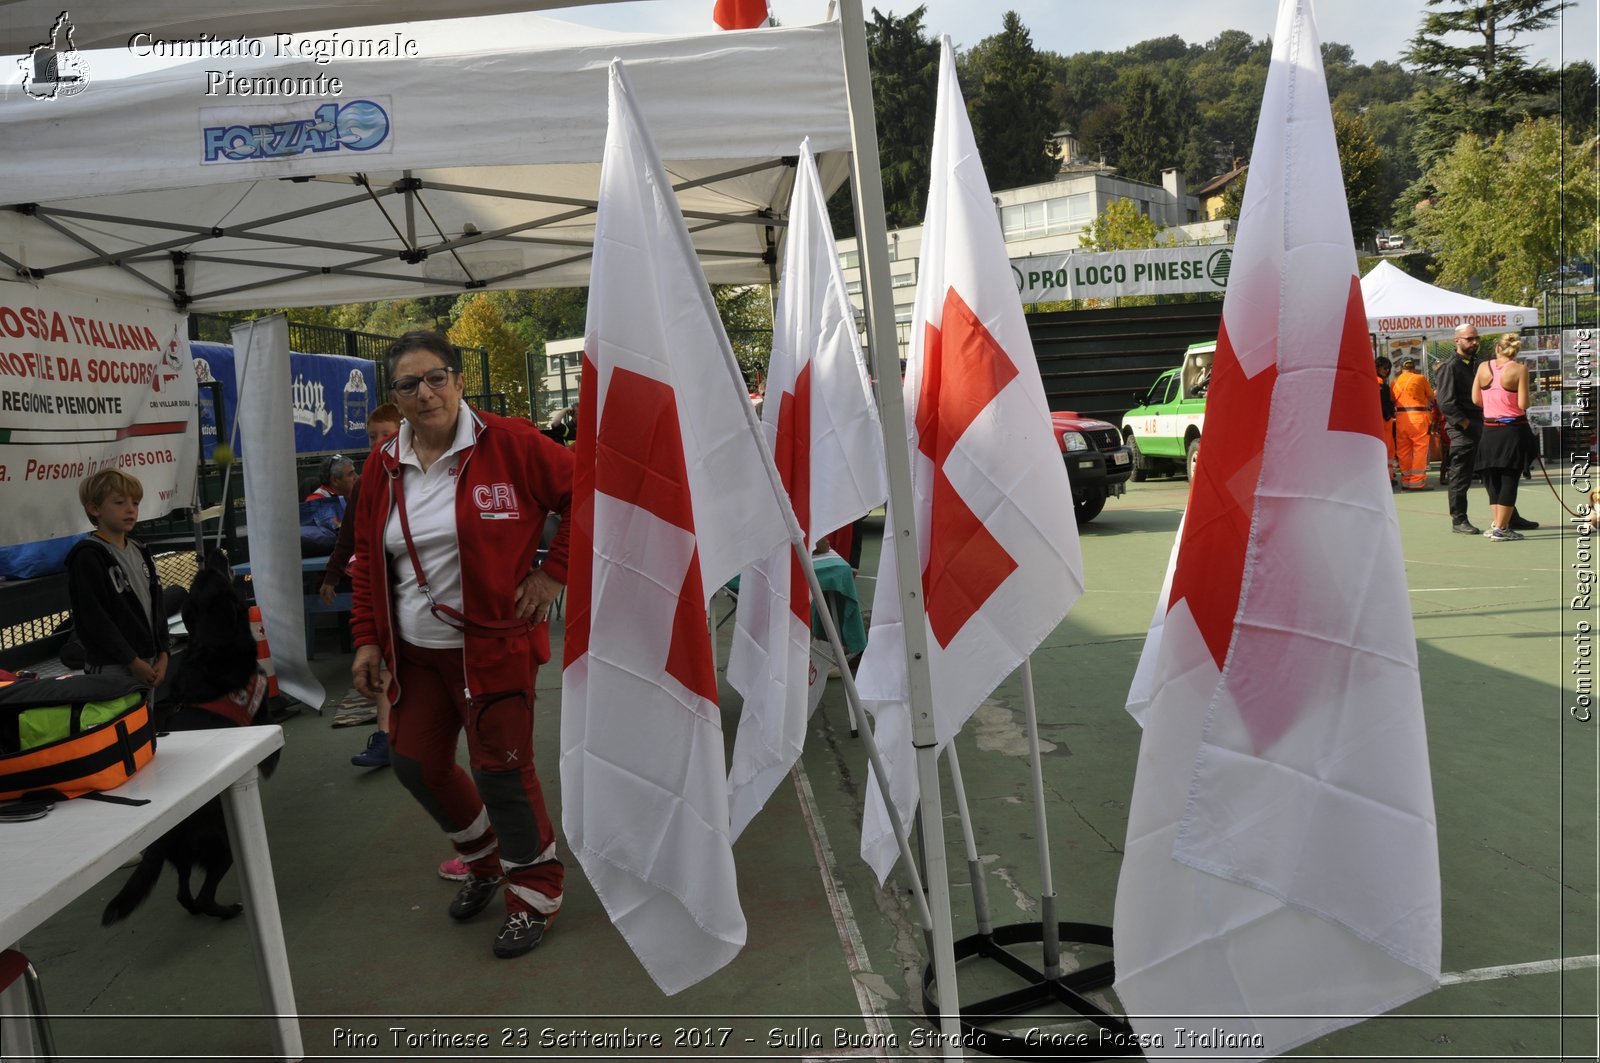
(1413, 401)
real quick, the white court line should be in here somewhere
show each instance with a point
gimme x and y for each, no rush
(1502, 587)
(844, 920)
(1518, 970)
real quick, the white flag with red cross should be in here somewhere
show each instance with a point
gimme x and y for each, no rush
(670, 500)
(825, 437)
(1281, 875)
(999, 544)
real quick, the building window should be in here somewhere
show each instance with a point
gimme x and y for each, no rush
(1024, 221)
(904, 280)
(849, 259)
(553, 362)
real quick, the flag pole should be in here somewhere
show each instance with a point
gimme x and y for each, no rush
(869, 741)
(1049, 928)
(872, 238)
(233, 431)
(980, 891)
(797, 540)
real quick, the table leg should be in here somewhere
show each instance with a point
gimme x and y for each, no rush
(248, 830)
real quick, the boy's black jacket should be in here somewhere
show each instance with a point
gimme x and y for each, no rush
(108, 616)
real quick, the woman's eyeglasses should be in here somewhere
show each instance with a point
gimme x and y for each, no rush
(434, 378)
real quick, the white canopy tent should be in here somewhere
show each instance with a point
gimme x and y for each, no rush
(483, 160)
(445, 173)
(1398, 303)
(103, 24)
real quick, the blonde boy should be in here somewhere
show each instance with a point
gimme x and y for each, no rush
(113, 586)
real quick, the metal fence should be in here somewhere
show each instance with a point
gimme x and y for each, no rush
(752, 347)
(482, 391)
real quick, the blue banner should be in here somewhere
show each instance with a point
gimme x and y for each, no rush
(330, 395)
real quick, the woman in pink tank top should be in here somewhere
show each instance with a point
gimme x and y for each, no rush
(1501, 388)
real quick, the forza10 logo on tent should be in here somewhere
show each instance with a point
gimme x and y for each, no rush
(248, 134)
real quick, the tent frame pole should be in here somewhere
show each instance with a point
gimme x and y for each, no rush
(878, 295)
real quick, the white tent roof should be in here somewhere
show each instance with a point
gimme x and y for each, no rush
(110, 23)
(1398, 302)
(458, 170)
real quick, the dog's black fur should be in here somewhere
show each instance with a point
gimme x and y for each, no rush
(220, 658)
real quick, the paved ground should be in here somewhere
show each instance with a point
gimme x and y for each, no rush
(371, 947)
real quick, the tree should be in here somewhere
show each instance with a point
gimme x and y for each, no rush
(1510, 209)
(1233, 198)
(1149, 144)
(1007, 87)
(1362, 162)
(1575, 100)
(1100, 132)
(479, 324)
(1486, 85)
(905, 75)
(746, 312)
(1120, 227)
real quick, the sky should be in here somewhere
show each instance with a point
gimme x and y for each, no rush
(1375, 29)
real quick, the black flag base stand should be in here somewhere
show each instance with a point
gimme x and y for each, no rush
(1063, 1023)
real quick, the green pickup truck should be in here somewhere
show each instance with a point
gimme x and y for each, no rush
(1163, 428)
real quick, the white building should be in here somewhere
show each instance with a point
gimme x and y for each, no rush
(1042, 219)
(1049, 219)
(563, 362)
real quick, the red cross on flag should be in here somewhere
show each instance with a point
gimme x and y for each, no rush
(1281, 876)
(1000, 561)
(670, 500)
(825, 436)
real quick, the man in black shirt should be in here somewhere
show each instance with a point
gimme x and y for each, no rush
(1463, 420)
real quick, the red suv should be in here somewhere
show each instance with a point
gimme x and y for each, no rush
(1098, 465)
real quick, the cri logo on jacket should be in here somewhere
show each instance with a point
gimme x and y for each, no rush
(496, 501)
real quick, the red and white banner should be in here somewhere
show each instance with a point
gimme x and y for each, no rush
(824, 432)
(1000, 560)
(89, 383)
(1281, 876)
(671, 499)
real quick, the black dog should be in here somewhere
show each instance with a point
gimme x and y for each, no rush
(217, 684)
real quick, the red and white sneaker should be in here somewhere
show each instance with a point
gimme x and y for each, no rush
(453, 870)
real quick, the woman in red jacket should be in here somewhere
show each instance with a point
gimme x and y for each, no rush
(448, 592)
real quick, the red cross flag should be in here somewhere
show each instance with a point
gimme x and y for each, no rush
(670, 500)
(825, 436)
(1281, 876)
(1000, 560)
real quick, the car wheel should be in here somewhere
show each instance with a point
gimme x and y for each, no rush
(1141, 468)
(1192, 458)
(1087, 507)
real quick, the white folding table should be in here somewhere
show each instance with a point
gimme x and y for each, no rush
(50, 862)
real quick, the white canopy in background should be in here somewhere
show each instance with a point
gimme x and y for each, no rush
(1397, 302)
(472, 168)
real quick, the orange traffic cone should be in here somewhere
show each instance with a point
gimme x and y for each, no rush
(258, 629)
